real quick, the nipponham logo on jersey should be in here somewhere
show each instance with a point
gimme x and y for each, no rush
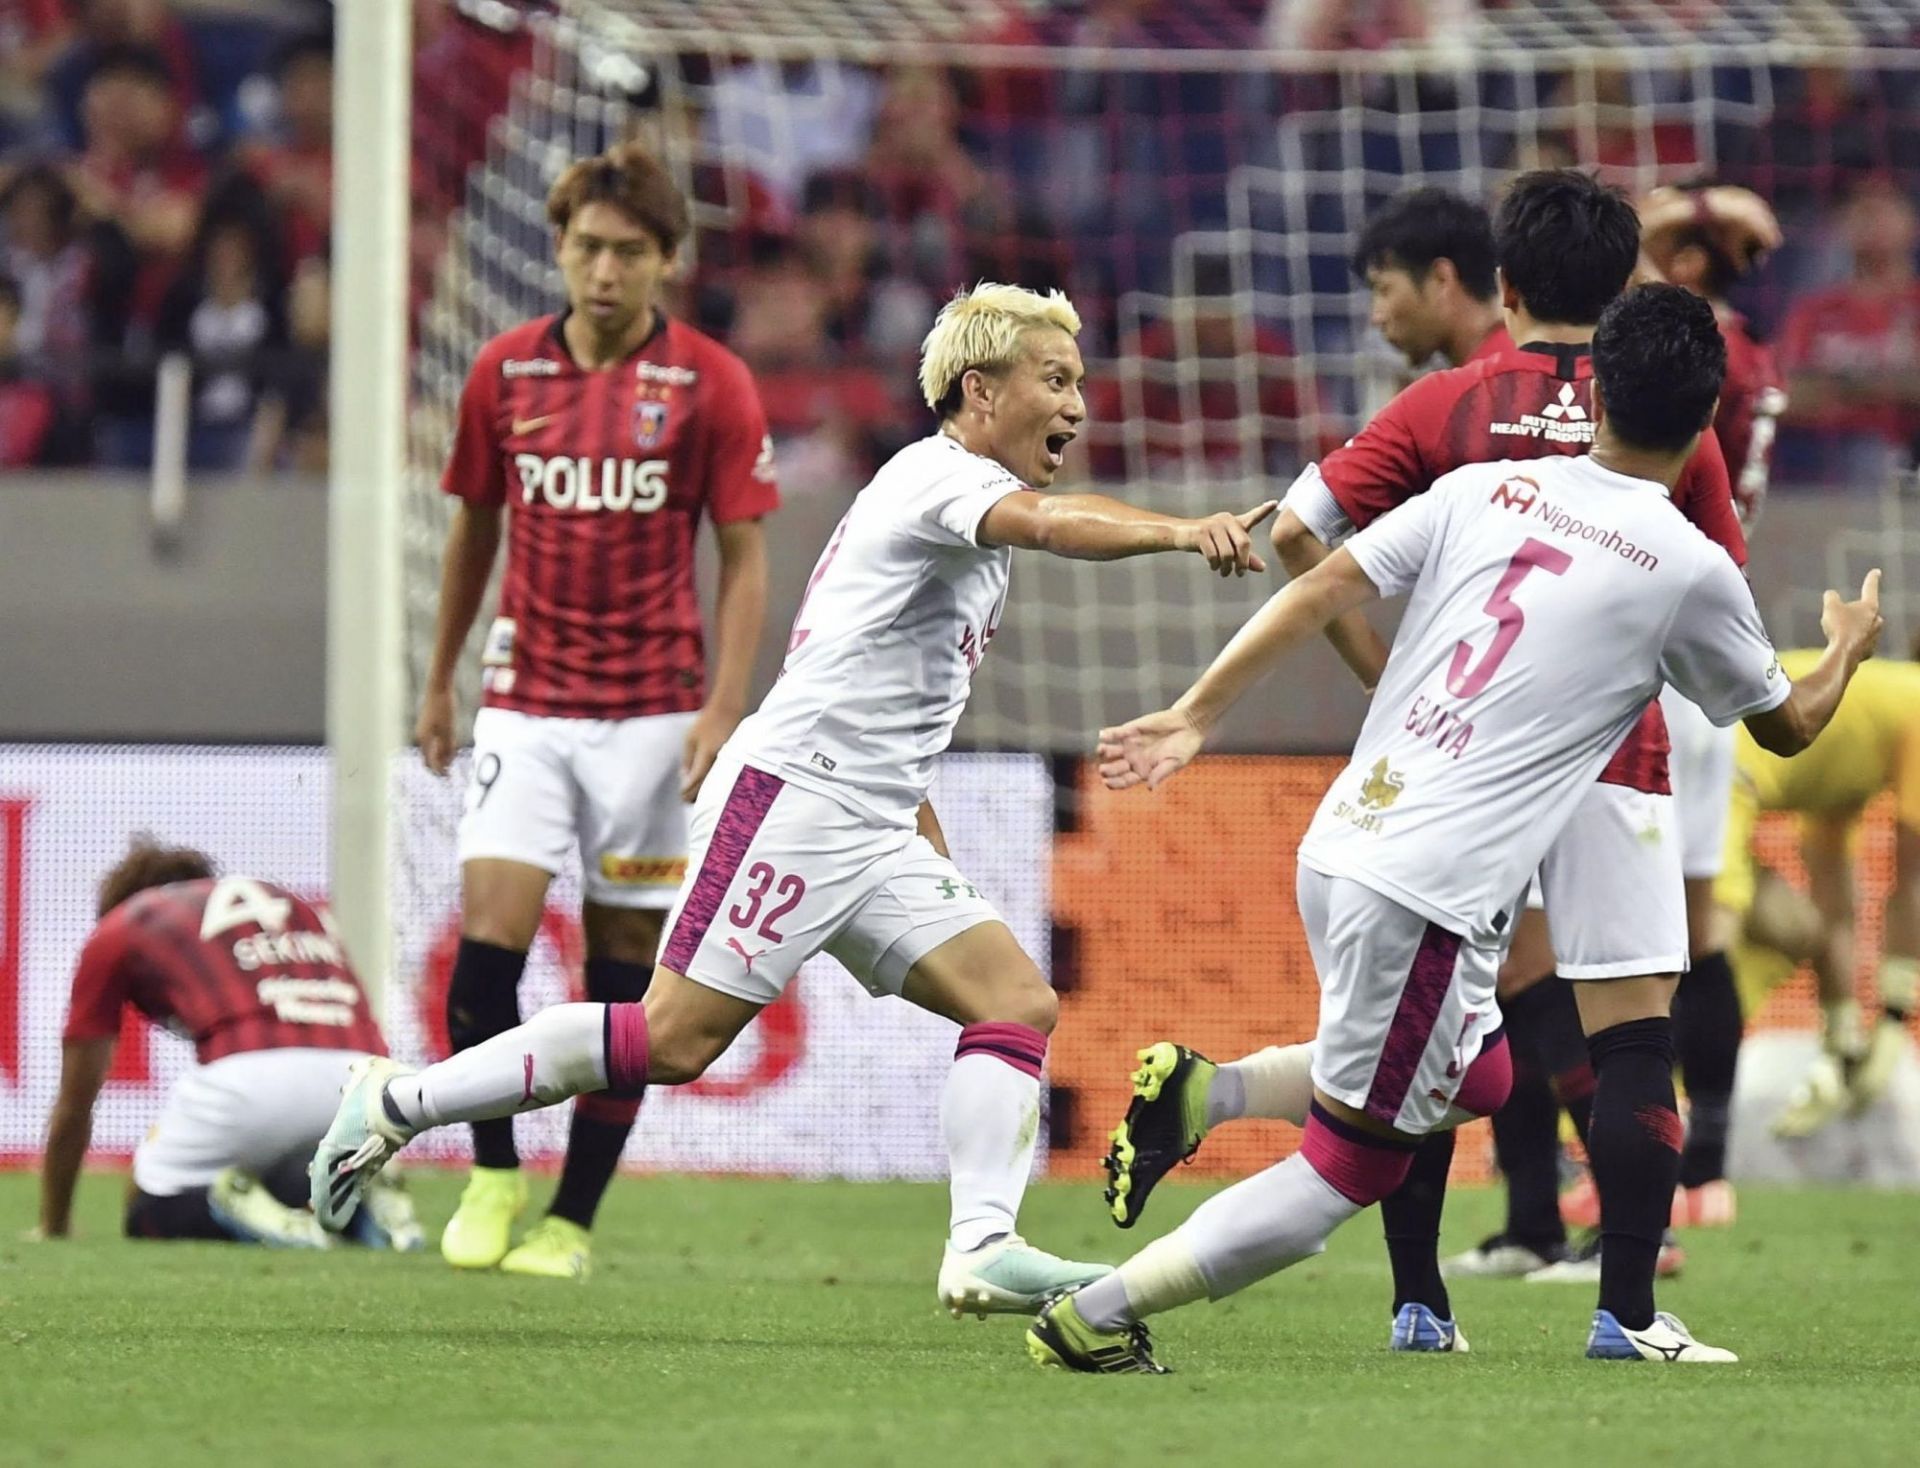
(1382, 786)
(582, 483)
(1517, 493)
(1563, 420)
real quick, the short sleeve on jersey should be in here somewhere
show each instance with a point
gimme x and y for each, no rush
(1316, 508)
(1705, 496)
(100, 984)
(950, 511)
(1717, 652)
(740, 468)
(1383, 464)
(1394, 549)
(475, 469)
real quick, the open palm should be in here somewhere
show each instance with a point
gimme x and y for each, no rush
(1148, 751)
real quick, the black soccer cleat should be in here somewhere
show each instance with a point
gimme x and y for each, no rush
(1061, 1339)
(1165, 1123)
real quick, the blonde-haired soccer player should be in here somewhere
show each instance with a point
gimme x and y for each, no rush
(1873, 745)
(813, 833)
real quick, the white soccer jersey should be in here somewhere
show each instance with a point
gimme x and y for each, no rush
(897, 616)
(1551, 600)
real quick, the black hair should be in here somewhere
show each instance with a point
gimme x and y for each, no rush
(9, 291)
(1567, 243)
(1659, 358)
(1412, 230)
(130, 59)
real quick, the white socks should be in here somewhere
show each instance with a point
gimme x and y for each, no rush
(560, 1052)
(1275, 1084)
(1264, 1224)
(1159, 1277)
(990, 1117)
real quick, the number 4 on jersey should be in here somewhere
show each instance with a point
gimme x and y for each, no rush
(236, 901)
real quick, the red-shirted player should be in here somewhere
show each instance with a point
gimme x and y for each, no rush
(256, 978)
(608, 431)
(1566, 246)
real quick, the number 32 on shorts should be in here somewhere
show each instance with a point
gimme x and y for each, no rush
(786, 890)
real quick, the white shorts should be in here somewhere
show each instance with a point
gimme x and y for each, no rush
(612, 786)
(780, 873)
(1702, 763)
(257, 1110)
(1404, 1004)
(1611, 887)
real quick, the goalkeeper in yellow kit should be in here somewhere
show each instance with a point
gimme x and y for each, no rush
(1872, 745)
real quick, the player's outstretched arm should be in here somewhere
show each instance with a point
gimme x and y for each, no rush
(472, 541)
(1152, 749)
(83, 1070)
(1093, 527)
(1360, 647)
(1852, 628)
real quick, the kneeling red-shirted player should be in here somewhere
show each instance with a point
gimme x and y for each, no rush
(256, 978)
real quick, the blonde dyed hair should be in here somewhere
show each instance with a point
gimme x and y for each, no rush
(981, 329)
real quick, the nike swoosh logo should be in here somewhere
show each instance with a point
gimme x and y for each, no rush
(528, 425)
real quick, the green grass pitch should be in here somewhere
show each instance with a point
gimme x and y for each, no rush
(759, 1322)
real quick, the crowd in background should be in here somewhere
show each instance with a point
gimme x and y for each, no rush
(166, 168)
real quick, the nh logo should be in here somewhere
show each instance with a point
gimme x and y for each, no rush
(1565, 408)
(1517, 493)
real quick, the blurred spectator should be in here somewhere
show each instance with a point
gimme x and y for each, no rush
(930, 191)
(1852, 352)
(227, 311)
(295, 165)
(33, 34)
(1186, 391)
(464, 60)
(787, 120)
(1369, 25)
(137, 173)
(106, 26)
(27, 406)
(834, 418)
(40, 249)
(867, 311)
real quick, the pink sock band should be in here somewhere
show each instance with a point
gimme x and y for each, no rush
(1020, 1046)
(1361, 1169)
(626, 1049)
(607, 1107)
(1484, 1088)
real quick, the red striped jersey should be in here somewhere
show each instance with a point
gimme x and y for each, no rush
(1517, 403)
(606, 475)
(231, 963)
(1751, 403)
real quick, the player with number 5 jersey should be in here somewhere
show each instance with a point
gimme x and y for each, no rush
(1550, 599)
(814, 833)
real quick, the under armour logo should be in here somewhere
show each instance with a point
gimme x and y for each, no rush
(1565, 408)
(734, 944)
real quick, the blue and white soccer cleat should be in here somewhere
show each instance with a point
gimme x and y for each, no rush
(1665, 1340)
(357, 1145)
(1416, 1328)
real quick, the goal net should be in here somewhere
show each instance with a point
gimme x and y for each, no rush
(1192, 175)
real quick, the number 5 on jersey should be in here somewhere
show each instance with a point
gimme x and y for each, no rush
(1464, 681)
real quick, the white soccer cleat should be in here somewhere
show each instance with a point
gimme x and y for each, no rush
(1821, 1097)
(386, 1219)
(358, 1143)
(241, 1204)
(1665, 1340)
(1499, 1258)
(1008, 1277)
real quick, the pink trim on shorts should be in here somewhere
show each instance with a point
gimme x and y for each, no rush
(1485, 1086)
(747, 806)
(1426, 990)
(1359, 1168)
(626, 1042)
(1020, 1046)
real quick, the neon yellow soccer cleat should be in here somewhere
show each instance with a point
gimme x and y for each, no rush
(554, 1248)
(481, 1229)
(241, 1204)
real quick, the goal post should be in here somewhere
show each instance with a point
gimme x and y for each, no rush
(366, 679)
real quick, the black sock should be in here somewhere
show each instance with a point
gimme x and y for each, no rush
(1410, 1217)
(483, 1000)
(1553, 1019)
(601, 1123)
(1526, 1144)
(1706, 1044)
(1635, 1152)
(183, 1215)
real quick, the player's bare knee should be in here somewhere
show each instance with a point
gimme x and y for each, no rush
(624, 934)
